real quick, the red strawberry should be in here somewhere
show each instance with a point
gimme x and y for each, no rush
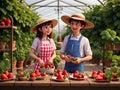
(32, 75)
(37, 72)
(60, 77)
(4, 76)
(75, 74)
(94, 73)
(10, 75)
(56, 74)
(8, 22)
(99, 71)
(4, 19)
(2, 23)
(98, 77)
(114, 75)
(65, 73)
(46, 65)
(59, 71)
(20, 73)
(6, 72)
(43, 74)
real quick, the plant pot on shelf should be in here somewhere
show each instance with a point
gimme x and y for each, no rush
(13, 44)
(19, 63)
(107, 63)
(2, 45)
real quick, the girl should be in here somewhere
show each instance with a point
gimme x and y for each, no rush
(43, 43)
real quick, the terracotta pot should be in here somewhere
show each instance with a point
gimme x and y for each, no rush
(29, 62)
(2, 45)
(20, 63)
(25, 63)
(13, 44)
(107, 62)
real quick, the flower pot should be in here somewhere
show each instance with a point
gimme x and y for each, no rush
(20, 63)
(13, 44)
(2, 45)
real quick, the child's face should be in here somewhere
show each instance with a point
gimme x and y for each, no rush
(47, 29)
(76, 26)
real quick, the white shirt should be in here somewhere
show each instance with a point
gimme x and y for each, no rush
(85, 48)
(36, 44)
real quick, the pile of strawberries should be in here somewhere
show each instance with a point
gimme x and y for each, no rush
(5, 22)
(78, 75)
(37, 74)
(110, 74)
(61, 75)
(51, 65)
(72, 58)
(6, 75)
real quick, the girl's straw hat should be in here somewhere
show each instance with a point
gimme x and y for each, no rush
(43, 20)
(77, 16)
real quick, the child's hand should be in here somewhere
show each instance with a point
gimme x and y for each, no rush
(50, 61)
(77, 61)
(67, 59)
(41, 62)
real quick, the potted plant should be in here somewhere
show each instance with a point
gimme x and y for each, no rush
(97, 55)
(20, 57)
(115, 60)
(108, 58)
(3, 38)
(108, 36)
(116, 42)
(4, 65)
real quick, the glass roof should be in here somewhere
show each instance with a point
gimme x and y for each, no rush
(57, 8)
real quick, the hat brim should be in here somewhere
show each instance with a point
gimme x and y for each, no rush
(88, 24)
(54, 23)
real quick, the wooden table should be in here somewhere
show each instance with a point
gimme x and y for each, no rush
(49, 84)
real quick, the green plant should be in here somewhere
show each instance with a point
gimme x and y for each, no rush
(108, 35)
(115, 60)
(4, 65)
(108, 55)
(57, 59)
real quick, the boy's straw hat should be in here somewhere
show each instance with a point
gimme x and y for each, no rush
(77, 16)
(43, 20)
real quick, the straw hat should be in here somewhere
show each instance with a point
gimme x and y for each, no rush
(43, 20)
(77, 16)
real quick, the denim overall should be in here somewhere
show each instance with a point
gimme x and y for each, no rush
(73, 49)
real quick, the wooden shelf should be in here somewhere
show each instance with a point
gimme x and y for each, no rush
(8, 27)
(7, 50)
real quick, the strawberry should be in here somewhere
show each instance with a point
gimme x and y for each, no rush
(98, 77)
(37, 72)
(59, 71)
(43, 74)
(65, 73)
(10, 75)
(8, 22)
(75, 74)
(99, 71)
(6, 72)
(114, 75)
(2, 23)
(32, 75)
(60, 77)
(20, 73)
(4, 76)
(94, 73)
(46, 65)
(4, 19)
